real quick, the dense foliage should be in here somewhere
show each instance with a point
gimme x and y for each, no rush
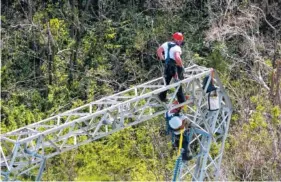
(58, 55)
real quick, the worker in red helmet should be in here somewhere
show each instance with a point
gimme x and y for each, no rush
(170, 52)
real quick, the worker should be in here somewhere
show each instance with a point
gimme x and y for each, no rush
(173, 63)
(178, 122)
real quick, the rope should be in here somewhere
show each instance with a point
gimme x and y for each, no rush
(184, 108)
(179, 159)
(177, 167)
(180, 143)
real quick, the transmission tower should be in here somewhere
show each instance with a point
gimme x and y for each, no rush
(25, 150)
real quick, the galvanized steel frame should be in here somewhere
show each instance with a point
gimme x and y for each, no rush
(209, 129)
(27, 149)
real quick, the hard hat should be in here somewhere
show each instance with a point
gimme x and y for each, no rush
(178, 36)
(175, 122)
(183, 117)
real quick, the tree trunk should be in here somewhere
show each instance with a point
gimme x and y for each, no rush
(50, 55)
(278, 82)
(75, 34)
(72, 35)
(30, 7)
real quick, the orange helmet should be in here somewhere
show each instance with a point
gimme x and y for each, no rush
(178, 36)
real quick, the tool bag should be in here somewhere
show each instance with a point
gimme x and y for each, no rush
(213, 101)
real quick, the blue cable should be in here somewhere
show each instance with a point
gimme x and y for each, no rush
(177, 166)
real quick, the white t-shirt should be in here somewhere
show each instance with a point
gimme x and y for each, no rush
(174, 49)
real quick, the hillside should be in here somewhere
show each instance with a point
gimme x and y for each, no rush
(58, 55)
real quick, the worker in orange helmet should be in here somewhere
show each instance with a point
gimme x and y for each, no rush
(170, 52)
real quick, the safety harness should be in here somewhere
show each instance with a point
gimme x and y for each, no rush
(170, 45)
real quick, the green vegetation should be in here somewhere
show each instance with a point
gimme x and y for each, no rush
(57, 55)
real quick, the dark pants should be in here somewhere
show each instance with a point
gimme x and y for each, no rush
(185, 154)
(170, 70)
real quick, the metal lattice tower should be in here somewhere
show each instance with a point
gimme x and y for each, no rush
(26, 149)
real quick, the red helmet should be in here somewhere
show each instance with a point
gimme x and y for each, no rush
(178, 36)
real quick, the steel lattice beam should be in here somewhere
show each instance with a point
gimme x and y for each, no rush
(29, 147)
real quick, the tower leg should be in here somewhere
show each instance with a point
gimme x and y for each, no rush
(41, 169)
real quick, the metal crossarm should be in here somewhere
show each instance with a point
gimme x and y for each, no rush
(27, 149)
